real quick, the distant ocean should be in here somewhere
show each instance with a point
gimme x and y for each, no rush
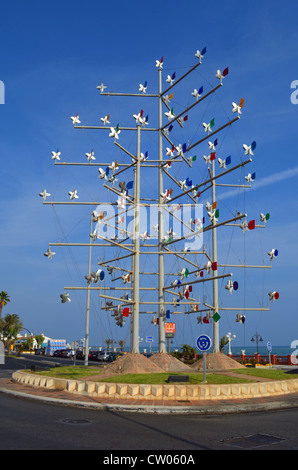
(249, 350)
(263, 351)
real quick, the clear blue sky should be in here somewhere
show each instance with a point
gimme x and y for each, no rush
(54, 54)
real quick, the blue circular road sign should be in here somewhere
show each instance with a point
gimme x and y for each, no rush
(204, 343)
(269, 346)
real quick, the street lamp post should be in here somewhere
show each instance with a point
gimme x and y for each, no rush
(230, 338)
(258, 338)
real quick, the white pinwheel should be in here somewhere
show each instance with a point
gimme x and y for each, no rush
(183, 185)
(171, 78)
(166, 195)
(170, 233)
(56, 155)
(170, 151)
(144, 236)
(114, 132)
(248, 149)
(183, 273)
(212, 145)
(220, 75)
(244, 226)
(90, 156)
(170, 114)
(102, 173)
(207, 127)
(207, 158)
(229, 286)
(139, 117)
(143, 88)
(44, 194)
(200, 55)
(105, 120)
(222, 163)
(101, 87)
(121, 203)
(73, 194)
(159, 63)
(273, 254)
(273, 296)
(114, 166)
(49, 253)
(93, 235)
(236, 108)
(249, 178)
(75, 119)
(208, 267)
(65, 298)
(125, 278)
(240, 318)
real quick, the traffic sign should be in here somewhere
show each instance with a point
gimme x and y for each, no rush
(149, 339)
(269, 346)
(204, 343)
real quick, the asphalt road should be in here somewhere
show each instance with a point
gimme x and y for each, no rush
(30, 425)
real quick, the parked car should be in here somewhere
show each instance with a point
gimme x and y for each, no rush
(67, 353)
(39, 351)
(58, 352)
(120, 354)
(80, 355)
(112, 357)
(103, 356)
(92, 356)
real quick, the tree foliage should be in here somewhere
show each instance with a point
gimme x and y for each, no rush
(10, 328)
(4, 299)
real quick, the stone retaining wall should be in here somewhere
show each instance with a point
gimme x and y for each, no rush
(159, 392)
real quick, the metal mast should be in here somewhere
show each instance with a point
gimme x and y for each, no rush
(136, 258)
(161, 295)
(214, 257)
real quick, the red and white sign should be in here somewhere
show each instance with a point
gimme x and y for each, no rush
(170, 327)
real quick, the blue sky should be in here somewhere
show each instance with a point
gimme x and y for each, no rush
(54, 54)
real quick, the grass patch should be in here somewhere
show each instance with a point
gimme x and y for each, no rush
(273, 374)
(77, 372)
(70, 372)
(162, 377)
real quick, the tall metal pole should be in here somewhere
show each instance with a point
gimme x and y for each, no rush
(214, 259)
(162, 334)
(132, 277)
(136, 258)
(88, 305)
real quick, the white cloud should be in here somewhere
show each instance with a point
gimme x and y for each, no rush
(268, 180)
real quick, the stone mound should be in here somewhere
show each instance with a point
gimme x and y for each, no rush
(217, 361)
(133, 364)
(169, 363)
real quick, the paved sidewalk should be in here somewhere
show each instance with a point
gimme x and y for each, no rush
(204, 407)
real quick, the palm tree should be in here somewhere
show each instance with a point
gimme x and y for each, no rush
(121, 343)
(188, 352)
(108, 342)
(223, 342)
(4, 298)
(12, 325)
(39, 339)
